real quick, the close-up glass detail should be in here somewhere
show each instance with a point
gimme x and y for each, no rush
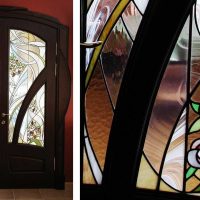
(26, 61)
(115, 24)
(171, 158)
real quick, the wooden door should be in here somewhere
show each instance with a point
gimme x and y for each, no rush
(27, 111)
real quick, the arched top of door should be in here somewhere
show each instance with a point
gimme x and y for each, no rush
(24, 13)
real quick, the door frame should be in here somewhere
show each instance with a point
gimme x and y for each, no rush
(63, 86)
(157, 35)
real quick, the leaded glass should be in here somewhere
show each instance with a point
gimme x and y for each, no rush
(97, 16)
(132, 19)
(26, 61)
(141, 4)
(173, 137)
(115, 23)
(114, 58)
(99, 115)
(32, 129)
(170, 99)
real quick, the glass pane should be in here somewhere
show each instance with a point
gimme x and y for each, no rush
(132, 19)
(193, 138)
(32, 128)
(97, 17)
(87, 176)
(99, 115)
(89, 3)
(195, 55)
(26, 61)
(165, 139)
(114, 58)
(147, 177)
(115, 23)
(141, 4)
(197, 14)
(173, 169)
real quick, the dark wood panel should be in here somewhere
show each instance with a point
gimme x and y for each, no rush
(26, 164)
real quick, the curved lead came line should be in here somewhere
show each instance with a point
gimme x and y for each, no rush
(93, 163)
(112, 20)
(37, 84)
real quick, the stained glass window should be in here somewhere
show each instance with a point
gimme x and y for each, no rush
(115, 23)
(171, 157)
(26, 61)
(32, 129)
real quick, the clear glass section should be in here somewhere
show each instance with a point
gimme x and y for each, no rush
(164, 141)
(132, 19)
(32, 129)
(26, 61)
(141, 4)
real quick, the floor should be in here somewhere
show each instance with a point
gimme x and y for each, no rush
(37, 194)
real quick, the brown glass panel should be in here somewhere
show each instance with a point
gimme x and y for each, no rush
(98, 115)
(114, 58)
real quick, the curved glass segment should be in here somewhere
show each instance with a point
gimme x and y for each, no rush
(171, 149)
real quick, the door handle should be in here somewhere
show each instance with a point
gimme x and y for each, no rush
(4, 114)
(91, 44)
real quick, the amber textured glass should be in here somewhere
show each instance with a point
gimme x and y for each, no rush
(99, 115)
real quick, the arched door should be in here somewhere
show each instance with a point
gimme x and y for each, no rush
(29, 81)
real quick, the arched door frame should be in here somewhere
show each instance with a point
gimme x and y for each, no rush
(63, 87)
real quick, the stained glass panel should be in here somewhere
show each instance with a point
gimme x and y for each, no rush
(114, 58)
(195, 55)
(173, 169)
(164, 144)
(141, 4)
(32, 129)
(103, 36)
(197, 14)
(97, 16)
(110, 23)
(132, 19)
(89, 3)
(87, 176)
(179, 165)
(99, 115)
(26, 61)
(146, 172)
